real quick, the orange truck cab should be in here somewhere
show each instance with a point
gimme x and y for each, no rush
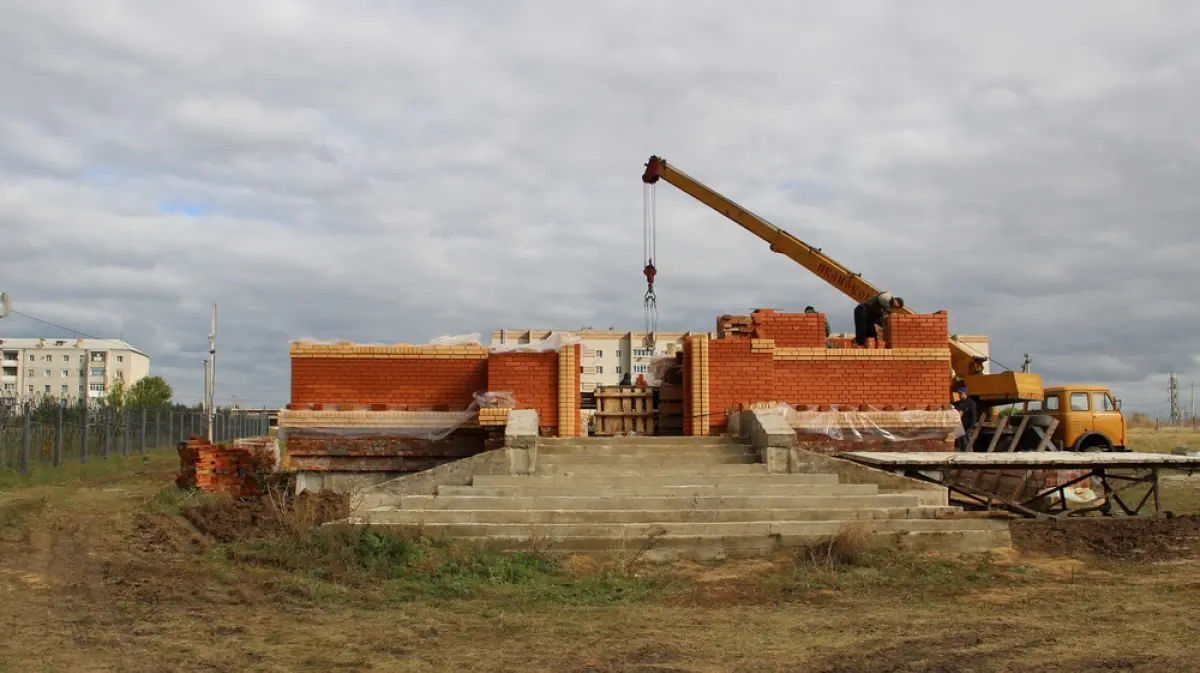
(1089, 418)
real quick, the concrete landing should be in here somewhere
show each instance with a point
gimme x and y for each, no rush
(666, 498)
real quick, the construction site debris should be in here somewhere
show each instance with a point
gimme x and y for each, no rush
(235, 469)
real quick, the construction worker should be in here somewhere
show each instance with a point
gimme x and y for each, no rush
(968, 412)
(871, 314)
(809, 309)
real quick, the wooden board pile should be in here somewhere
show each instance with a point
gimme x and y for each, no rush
(217, 468)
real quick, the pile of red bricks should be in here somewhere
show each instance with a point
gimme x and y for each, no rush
(221, 468)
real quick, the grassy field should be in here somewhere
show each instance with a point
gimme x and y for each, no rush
(118, 572)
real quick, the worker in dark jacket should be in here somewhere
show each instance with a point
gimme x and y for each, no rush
(809, 309)
(968, 412)
(870, 315)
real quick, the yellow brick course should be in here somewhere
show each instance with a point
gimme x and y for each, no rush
(346, 349)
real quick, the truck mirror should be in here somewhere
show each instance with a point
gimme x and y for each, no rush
(1118, 402)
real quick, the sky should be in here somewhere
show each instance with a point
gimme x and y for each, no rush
(394, 171)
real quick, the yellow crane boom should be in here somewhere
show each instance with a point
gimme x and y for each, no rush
(998, 388)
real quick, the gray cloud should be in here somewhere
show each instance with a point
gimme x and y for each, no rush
(396, 171)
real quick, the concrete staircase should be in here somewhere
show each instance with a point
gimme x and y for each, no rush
(663, 498)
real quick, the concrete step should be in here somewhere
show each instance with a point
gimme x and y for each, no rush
(552, 469)
(651, 441)
(587, 480)
(635, 489)
(649, 460)
(800, 529)
(389, 516)
(643, 450)
(660, 503)
(667, 548)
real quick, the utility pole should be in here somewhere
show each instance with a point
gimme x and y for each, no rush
(1173, 390)
(210, 393)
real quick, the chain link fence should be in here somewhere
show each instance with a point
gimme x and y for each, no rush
(53, 434)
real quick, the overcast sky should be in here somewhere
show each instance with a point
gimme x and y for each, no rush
(390, 171)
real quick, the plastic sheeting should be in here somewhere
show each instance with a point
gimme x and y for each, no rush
(855, 425)
(425, 425)
(658, 368)
(554, 342)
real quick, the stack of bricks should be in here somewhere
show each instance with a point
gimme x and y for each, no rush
(217, 468)
(734, 326)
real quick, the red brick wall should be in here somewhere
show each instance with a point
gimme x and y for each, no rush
(855, 382)
(918, 331)
(790, 330)
(437, 384)
(533, 379)
(736, 376)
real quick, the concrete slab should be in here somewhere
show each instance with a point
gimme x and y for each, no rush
(586, 481)
(794, 529)
(388, 516)
(643, 460)
(656, 503)
(635, 489)
(548, 469)
(1054, 460)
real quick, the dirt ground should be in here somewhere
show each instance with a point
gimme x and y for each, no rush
(129, 575)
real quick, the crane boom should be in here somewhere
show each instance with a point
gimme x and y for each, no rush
(962, 358)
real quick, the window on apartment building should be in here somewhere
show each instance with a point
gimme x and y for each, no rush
(619, 369)
(120, 358)
(599, 353)
(47, 390)
(97, 371)
(10, 387)
(32, 373)
(66, 358)
(49, 358)
(49, 373)
(66, 373)
(32, 358)
(618, 352)
(64, 391)
(599, 370)
(31, 389)
(96, 387)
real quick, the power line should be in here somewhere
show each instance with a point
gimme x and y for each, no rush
(65, 328)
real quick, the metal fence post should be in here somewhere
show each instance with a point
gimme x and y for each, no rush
(83, 437)
(158, 429)
(58, 433)
(143, 437)
(26, 431)
(106, 422)
(124, 432)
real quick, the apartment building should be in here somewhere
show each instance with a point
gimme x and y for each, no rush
(606, 355)
(67, 369)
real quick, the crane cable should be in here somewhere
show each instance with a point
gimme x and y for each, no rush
(649, 249)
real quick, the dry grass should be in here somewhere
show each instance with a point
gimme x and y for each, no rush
(109, 577)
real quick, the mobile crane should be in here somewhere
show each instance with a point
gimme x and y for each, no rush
(1003, 388)
(1092, 427)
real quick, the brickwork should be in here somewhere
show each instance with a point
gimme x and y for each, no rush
(790, 330)
(696, 400)
(749, 367)
(432, 377)
(533, 379)
(917, 330)
(740, 370)
(568, 395)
